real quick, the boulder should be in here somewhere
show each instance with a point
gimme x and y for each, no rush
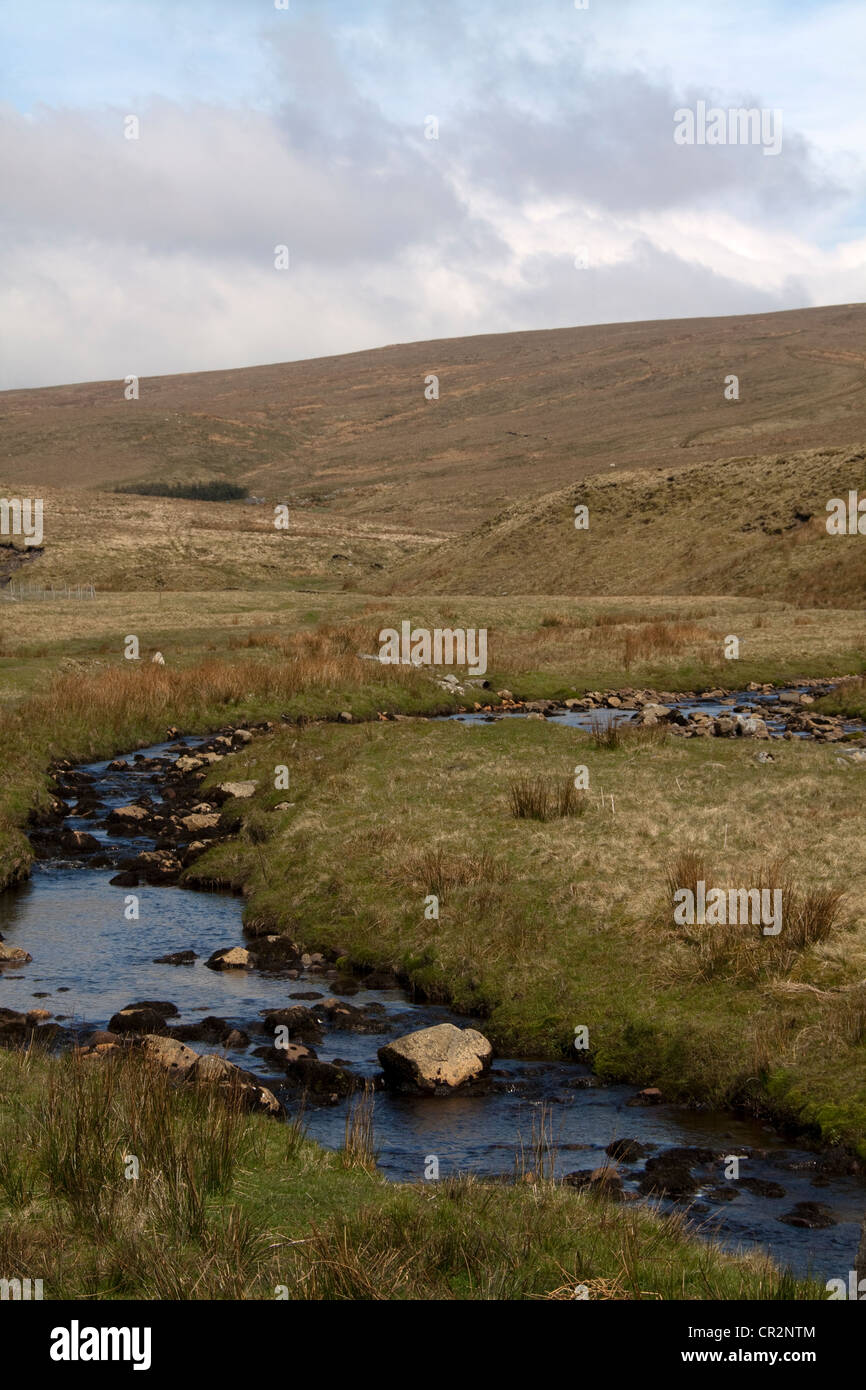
(239, 791)
(809, 1216)
(750, 726)
(763, 1187)
(207, 1068)
(347, 1018)
(134, 1019)
(291, 1053)
(302, 1023)
(230, 958)
(313, 960)
(654, 714)
(163, 1007)
(724, 1192)
(275, 952)
(605, 1181)
(193, 850)
(188, 764)
(210, 1030)
(157, 866)
(437, 1059)
(321, 1079)
(667, 1176)
(128, 816)
(627, 1150)
(79, 842)
(216, 1071)
(196, 824)
(176, 958)
(125, 879)
(168, 1054)
(651, 1095)
(13, 954)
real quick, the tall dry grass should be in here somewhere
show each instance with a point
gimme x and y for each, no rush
(440, 869)
(809, 916)
(661, 639)
(359, 1147)
(545, 798)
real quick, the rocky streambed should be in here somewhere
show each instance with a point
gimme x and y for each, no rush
(181, 982)
(759, 711)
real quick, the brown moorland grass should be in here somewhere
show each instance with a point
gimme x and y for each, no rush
(583, 651)
(751, 526)
(353, 435)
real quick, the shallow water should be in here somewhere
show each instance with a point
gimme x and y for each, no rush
(602, 717)
(89, 961)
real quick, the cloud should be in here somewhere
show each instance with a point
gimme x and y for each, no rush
(157, 255)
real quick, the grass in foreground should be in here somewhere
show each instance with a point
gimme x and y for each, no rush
(231, 1206)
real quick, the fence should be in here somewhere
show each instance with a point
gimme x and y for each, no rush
(16, 590)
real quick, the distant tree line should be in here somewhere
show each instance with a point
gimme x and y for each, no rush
(215, 491)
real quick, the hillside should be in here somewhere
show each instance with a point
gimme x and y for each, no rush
(748, 527)
(121, 542)
(519, 415)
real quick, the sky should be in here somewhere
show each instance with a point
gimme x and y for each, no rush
(554, 195)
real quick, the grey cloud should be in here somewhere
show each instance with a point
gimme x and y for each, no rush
(611, 144)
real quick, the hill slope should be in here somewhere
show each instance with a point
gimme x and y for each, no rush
(748, 527)
(519, 414)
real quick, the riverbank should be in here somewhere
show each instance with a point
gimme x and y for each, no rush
(72, 694)
(548, 926)
(261, 1213)
(258, 822)
(544, 927)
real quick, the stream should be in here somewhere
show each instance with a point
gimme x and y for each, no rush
(88, 962)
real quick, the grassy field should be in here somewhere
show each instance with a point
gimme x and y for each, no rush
(141, 544)
(261, 1213)
(66, 689)
(537, 645)
(545, 926)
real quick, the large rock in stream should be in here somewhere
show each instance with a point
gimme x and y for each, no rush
(14, 955)
(145, 1016)
(436, 1060)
